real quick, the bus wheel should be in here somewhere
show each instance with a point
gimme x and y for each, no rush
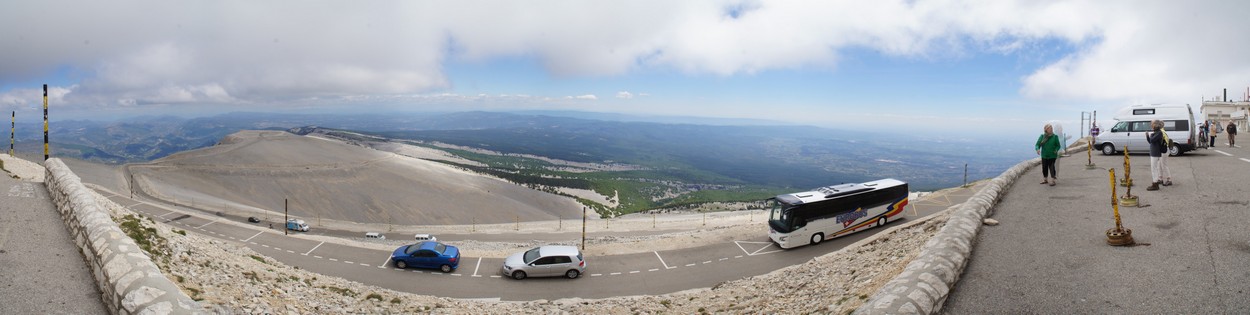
(816, 238)
(881, 221)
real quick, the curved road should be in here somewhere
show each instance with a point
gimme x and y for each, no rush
(644, 273)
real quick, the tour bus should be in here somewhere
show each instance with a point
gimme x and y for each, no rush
(810, 217)
(1133, 122)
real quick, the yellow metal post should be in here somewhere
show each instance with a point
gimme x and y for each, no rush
(1117, 236)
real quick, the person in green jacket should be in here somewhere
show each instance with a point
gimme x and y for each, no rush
(1048, 147)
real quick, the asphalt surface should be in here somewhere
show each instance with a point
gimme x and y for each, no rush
(643, 273)
(41, 270)
(1049, 254)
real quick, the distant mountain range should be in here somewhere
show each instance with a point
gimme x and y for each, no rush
(797, 157)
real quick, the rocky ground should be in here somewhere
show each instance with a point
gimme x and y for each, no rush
(239, 280)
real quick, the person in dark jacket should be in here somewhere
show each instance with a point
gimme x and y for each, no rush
(1232, 134)
(1048, 147)
(1158, 141)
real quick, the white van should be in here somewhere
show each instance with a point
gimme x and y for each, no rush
(1133, 122)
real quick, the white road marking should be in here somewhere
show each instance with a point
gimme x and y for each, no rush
(456, 274)
(1222, 152)
(758, 251)
(657, 255)
(496, 277)
(739, 256)
(417, 271)
(319, 257)
(364, 264)
(277, 248)
(206, 224)
(334, 259)
(689, 265)
(383, 265)
(397, 269)
(163, 215)
(1244, 159)
(596, 275)
(290, 251)
(724, 259)
(314, 248)
(653, 269)
(635, 271)
(479, 265)
(254, 236)
(614, 273)
(253, 243)
(707, 262)
(265, 245)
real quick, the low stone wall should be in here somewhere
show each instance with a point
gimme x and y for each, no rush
(925, 283)
(127, 277)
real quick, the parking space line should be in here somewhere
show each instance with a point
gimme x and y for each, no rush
(348, 261)
(614, 273)
(276, 248)
(739, 256)
(496, 277)
(689, 265)
(334, 259)
(364, 264)
(657, 255)
(724, 259)
(479, 265)
(265, 245)
(206, 224)
(596, 274)
(456, 274)
(318, 257)
(707, 262)
(254, 236)
(1244, 159)
(383, 265)
(290, 251)
(653, 269)
(314, 248)
(163, 215)
(635, 271)
(1222, 152)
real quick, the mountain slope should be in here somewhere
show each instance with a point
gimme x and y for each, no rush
(332, 180)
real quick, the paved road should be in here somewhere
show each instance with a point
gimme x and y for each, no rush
(41, 270)
(1049, 253)
(648, 272)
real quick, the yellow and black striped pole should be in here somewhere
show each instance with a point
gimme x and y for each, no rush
(45, 122)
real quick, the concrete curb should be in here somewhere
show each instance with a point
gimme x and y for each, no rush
(127, 277)
(925, 283)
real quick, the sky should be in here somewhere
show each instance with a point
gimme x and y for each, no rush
(949, 66)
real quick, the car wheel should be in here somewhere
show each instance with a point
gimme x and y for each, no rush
(519, 275)
(445, 268)
(881, 221)
(1108, 149)
(1174, 151)
(816, 238)
(572, 274)
(401, 264)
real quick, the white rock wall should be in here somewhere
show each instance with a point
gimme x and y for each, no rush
(127, 277)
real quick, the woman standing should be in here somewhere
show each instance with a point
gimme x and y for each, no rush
(1158, 147)
(1048, 147)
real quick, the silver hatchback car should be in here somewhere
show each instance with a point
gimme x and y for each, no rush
(545, 261)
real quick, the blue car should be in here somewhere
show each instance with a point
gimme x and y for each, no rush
(432, 255)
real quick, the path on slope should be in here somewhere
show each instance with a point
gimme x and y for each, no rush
(1049, 254)
(41, 268)
(645, 272)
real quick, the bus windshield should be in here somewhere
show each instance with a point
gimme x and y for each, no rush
(779, 216)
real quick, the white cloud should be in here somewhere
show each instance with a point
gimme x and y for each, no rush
(586, 97)
(248, 52)
(624, 95)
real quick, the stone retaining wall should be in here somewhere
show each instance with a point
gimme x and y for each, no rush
(925, 283)
(127, 277)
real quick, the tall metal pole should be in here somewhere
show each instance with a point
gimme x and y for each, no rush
(583, 228)
(12, 129)
(286, 216)
(45, 122)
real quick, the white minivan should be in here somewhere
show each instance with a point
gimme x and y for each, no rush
(1133, 122)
